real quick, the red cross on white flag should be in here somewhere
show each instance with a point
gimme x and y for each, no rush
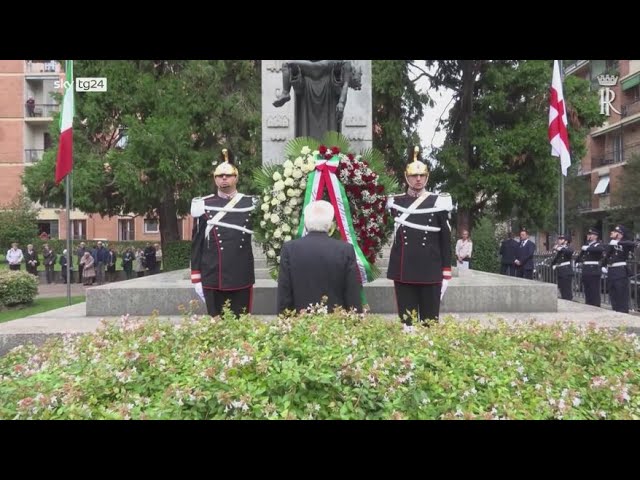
(558, 135)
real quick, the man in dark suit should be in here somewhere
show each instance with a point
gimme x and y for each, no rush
(524, 256)
(317, 266)
(508, 249)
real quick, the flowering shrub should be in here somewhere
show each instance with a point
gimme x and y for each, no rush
(318, 366)
(285, 187)
(17, 287)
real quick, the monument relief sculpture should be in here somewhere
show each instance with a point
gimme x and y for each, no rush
(321, 88)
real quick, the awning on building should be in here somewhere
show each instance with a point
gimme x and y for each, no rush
(631, 81)
(602, 185)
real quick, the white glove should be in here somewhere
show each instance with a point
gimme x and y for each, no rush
(553, 267)
(604, 270)
(613, 242)
(199, 291)
(445, 284)
(584, 248)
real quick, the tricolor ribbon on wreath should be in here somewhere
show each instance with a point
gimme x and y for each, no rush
(324, 175)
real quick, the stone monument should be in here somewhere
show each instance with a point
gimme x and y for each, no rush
(308, 97)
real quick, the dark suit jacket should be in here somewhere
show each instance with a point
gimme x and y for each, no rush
(508, 249)
(317, 265)
(525, 255)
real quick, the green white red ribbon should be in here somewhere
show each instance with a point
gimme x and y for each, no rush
(324, 175)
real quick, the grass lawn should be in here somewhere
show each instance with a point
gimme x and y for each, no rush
(39, 305)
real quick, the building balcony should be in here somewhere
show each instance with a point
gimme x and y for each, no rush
(630, 109)
(33, 155)
(607, 159)
(41, 111)
(37, 67)
(572, 66)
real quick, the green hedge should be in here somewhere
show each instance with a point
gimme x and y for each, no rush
(485, 247)
(17, 287)
(176, 255)
(318, 366)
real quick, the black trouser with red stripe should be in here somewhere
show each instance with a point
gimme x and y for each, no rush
(424, 299)
(241, 300)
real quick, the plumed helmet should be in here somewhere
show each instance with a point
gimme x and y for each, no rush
(227, 164)
(415, 165)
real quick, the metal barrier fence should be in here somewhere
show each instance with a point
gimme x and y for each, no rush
(544, 272)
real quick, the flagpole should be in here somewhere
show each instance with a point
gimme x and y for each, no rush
(562, 232)
(67, 188)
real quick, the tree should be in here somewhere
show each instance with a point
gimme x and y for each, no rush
(397, 109)
(18, 223)
(146, 146)
(497, 151)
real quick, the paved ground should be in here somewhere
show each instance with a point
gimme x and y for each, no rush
(73, 320)
(48, 290)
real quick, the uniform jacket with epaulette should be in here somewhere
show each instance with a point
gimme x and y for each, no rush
(562, 260)
(419, 256)
(591, 259)
(616, 257)
(221, 256)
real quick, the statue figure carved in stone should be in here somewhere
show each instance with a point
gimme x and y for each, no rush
(321, 88)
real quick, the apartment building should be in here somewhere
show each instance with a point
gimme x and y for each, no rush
(27, 109)
(610, 146)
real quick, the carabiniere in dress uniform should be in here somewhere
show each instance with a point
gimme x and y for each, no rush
(420, 259)
(221, 254)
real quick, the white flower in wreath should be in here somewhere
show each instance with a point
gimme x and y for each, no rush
(275, 202)
(287, 165)
(289, 182)
(298, 162)
(305, 150)
(266, 198)
(285, 228)
(278, 259)
(291, 192)
(288, 172)
(278, 186)
(282, 197)
(288, 210)
(287, 238)
(263, 223)
(293, 202)
(275, 218)
(267, 216)
(297, 174)
(278, 232)
(276, 176)
(271, 253)
(265, 207)
(306, 168)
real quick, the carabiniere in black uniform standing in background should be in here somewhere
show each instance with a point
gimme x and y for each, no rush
(562, 265)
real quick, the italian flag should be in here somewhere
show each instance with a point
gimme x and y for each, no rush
(64, 161)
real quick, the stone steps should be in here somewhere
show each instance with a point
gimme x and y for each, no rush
(471, 292)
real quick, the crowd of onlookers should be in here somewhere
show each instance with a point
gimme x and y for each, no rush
(96, 264)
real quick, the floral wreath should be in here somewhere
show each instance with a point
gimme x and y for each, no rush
(357, 186)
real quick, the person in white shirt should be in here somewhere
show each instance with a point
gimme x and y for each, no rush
(14, 257)
(464, 246)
